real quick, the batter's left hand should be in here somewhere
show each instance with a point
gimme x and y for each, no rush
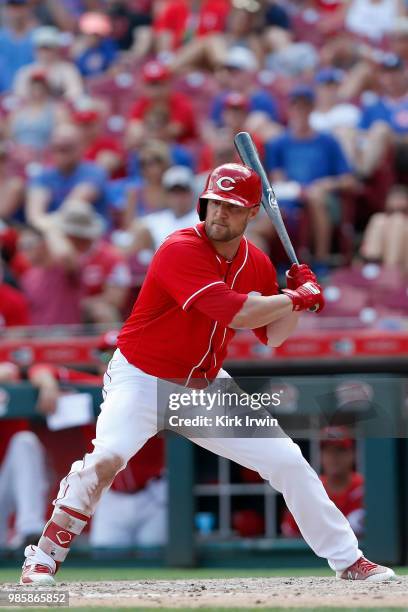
(298, 275)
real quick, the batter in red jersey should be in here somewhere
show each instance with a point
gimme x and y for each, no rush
(198, 291)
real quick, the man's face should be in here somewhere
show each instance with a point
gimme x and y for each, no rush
(17, 15)
(81, 245)
(225, 221)
(179, 199)
(299, 111)
(67, 152)
(393, 82)
(33, 246)
(327, 93)
(157, 91)
(235, 117)
(337, 461)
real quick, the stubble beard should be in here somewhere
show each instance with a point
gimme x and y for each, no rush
(221, 234)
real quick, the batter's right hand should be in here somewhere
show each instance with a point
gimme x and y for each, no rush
(299, 274)
(308, 296)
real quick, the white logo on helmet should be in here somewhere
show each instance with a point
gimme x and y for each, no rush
(220, 181)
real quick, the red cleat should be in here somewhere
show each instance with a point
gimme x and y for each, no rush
(363, 569)
(37, 571)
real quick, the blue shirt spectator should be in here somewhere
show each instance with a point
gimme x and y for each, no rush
(306, 160)
(15, 51)
(68, 178)
(59, 185)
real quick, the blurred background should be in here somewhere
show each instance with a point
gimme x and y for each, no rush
(112, 114)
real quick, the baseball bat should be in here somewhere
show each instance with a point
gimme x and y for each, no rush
(249, 155)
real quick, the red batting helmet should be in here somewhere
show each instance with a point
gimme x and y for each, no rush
(231, 183)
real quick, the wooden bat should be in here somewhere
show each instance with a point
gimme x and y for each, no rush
(249, 155)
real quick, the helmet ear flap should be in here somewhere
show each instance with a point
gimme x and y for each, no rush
(202, 208)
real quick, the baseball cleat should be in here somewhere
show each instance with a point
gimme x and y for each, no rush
(38, 568)
(37, 575)
(363, 569)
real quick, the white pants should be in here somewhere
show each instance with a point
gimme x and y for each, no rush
(128, 419)
(131, 519)
(23, 486)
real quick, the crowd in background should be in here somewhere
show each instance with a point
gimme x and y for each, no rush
(113, 112)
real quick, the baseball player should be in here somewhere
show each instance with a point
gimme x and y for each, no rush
(197, 292)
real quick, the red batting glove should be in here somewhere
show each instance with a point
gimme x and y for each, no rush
(299, 275)
(308, 296)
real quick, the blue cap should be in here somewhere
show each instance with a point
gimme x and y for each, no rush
(302, 91)
(329, 75)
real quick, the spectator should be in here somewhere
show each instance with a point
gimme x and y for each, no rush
(99, 147)
(399, 39)
(235, 118)
(237, 74)
(16, 40)
(151, 230)
(343, 484)
(245, 24)
(13, 304)
(90, 278)
(11, 188)
(385, 238)
(62, 75)
(53, 288)
(69, 176)
(177, 23)
(166, 113)
(221, 25)
(314, 162)
(333, 115)
(147, 195)
(104, 274)
(32, 123)
(131, 30)
(385, 120)
(95, 51)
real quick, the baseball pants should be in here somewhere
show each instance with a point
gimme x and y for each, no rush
(128, 419)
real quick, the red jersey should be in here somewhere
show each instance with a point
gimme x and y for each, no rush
(176, 17)
(350, 501)
(178, 328)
